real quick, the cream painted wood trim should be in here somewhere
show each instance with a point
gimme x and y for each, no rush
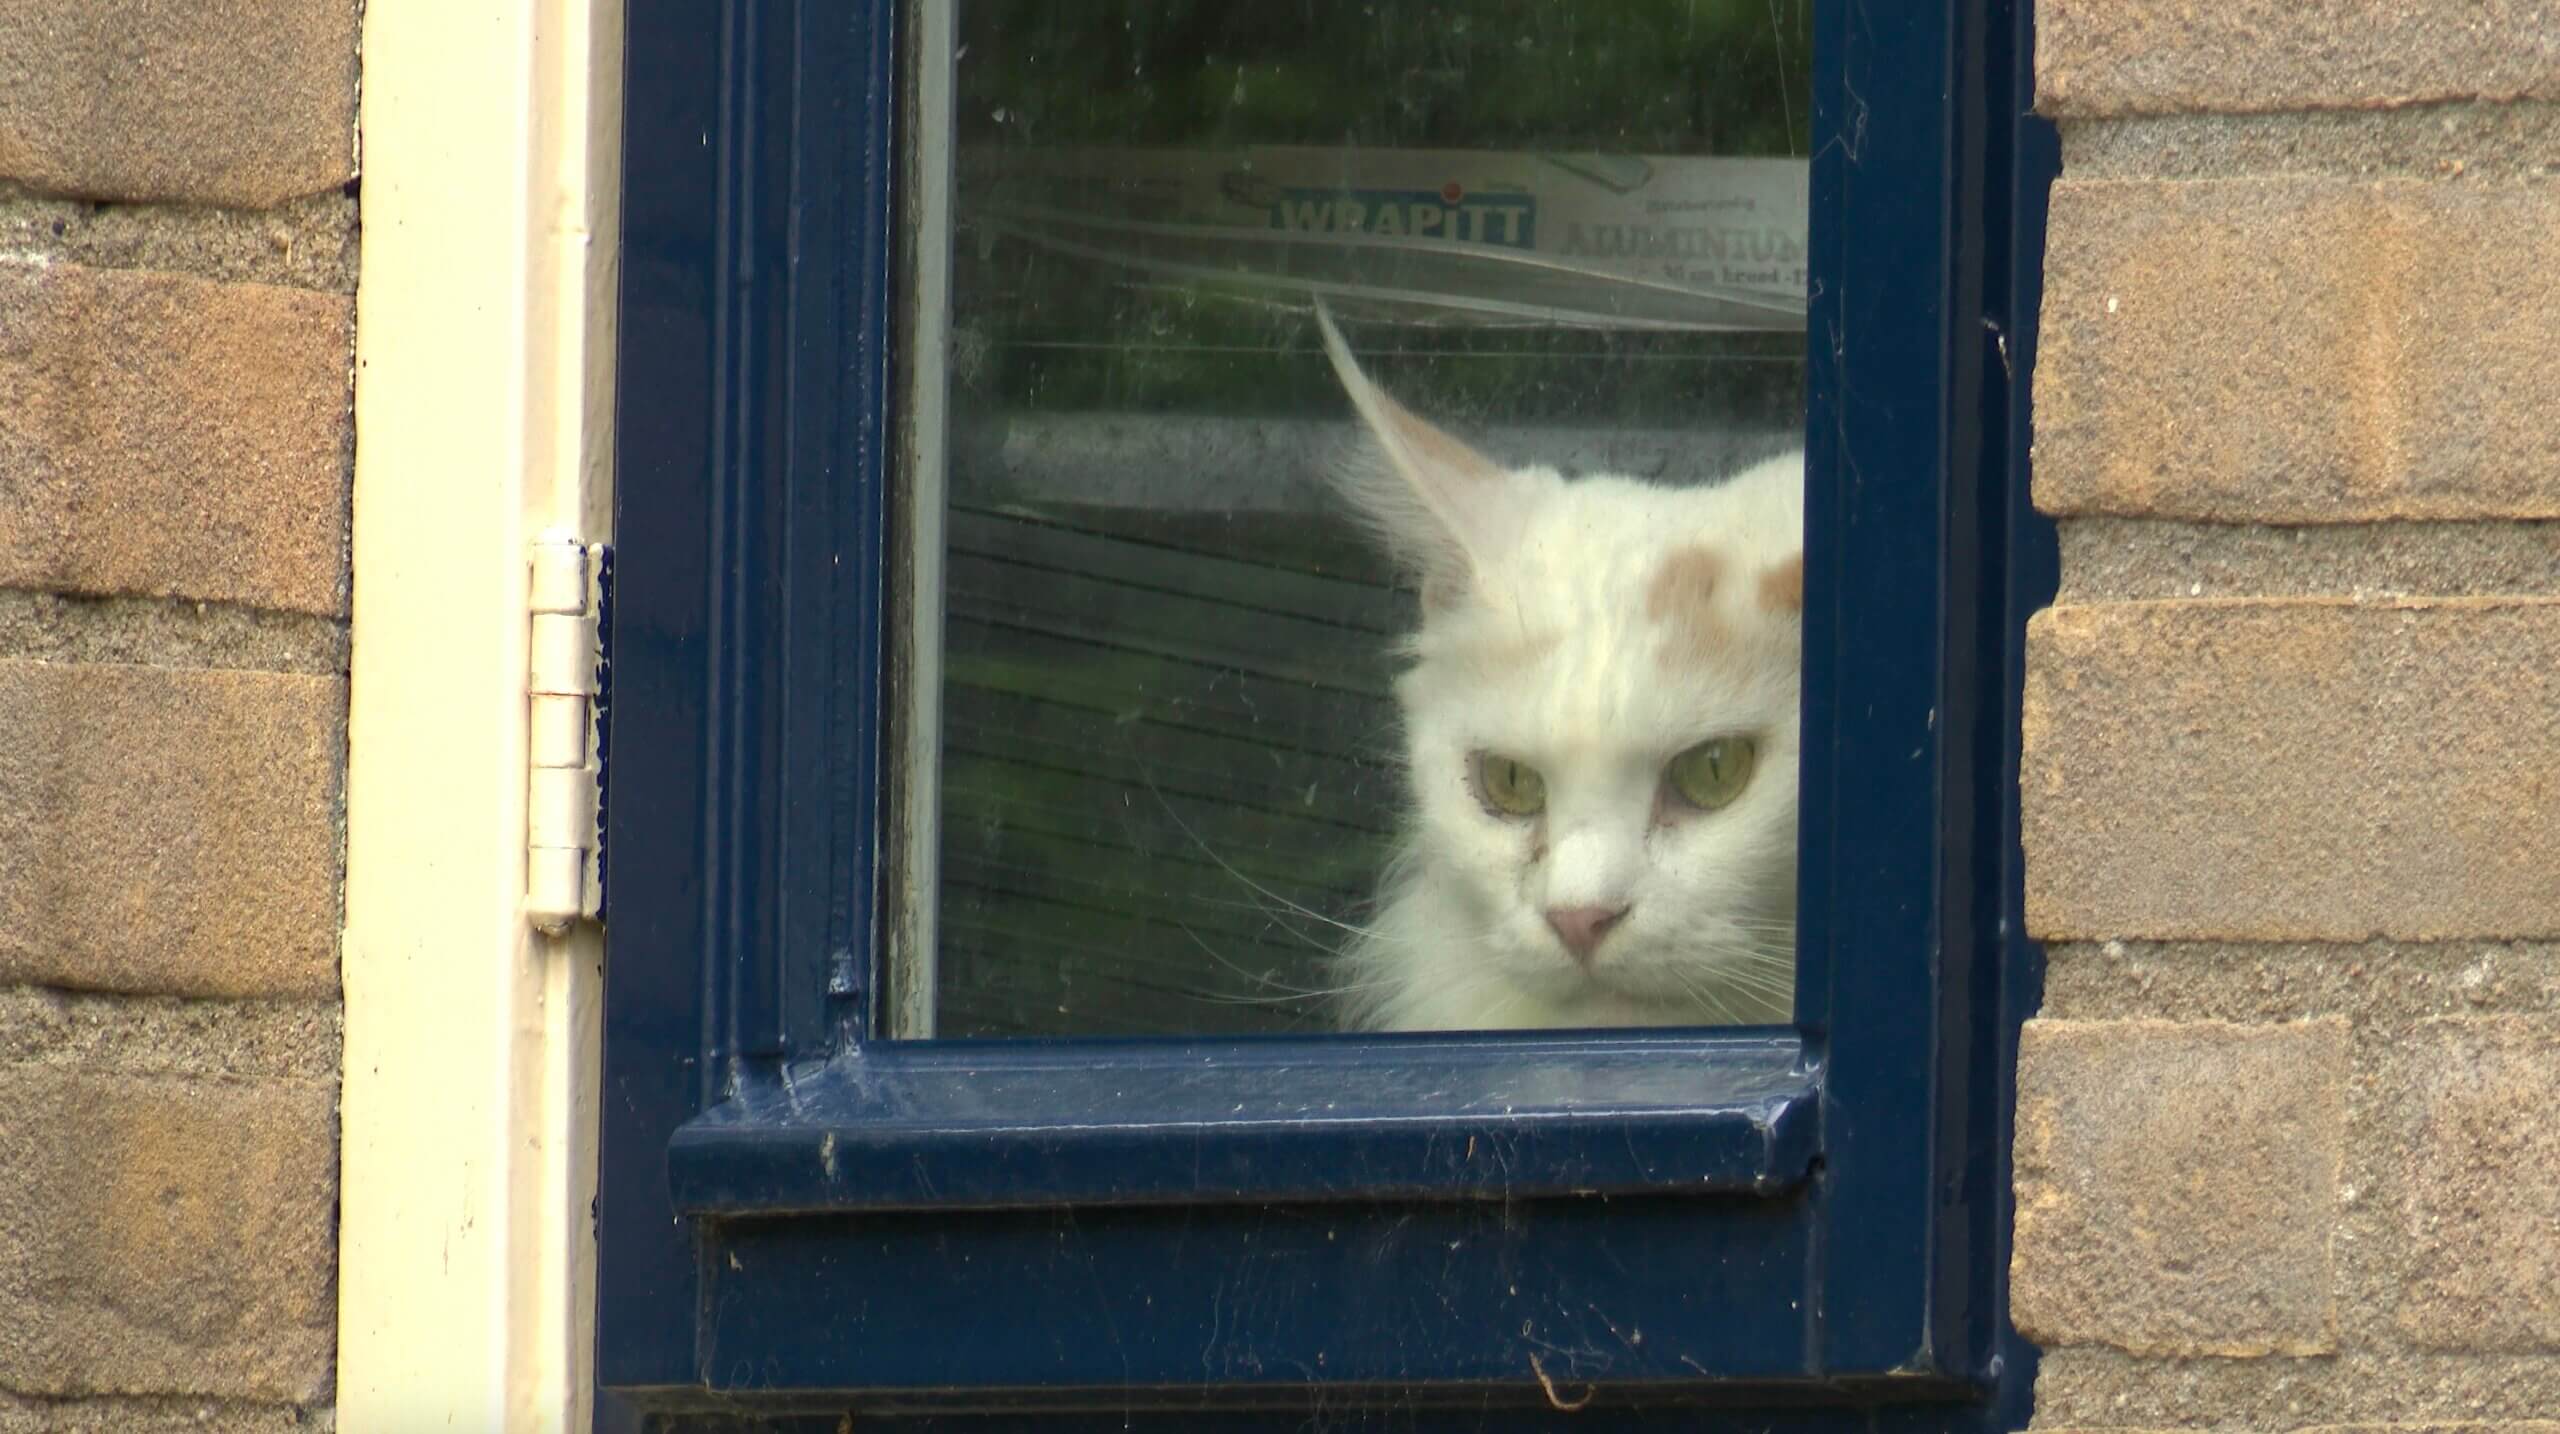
(484, 325)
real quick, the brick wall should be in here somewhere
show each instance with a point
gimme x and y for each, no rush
(2289, 1119)
(177, 260)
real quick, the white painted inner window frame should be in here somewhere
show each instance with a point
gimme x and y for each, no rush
(913, 980)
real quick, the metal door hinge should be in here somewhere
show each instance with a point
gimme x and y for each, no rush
(564, 878)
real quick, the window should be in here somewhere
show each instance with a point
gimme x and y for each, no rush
(899, 598)
(1161, 771)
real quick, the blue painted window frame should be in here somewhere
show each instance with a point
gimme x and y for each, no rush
(794, 1217)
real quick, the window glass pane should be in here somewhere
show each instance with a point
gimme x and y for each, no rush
(1164, 767)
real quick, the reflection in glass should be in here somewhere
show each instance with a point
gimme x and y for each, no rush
(1176, 574)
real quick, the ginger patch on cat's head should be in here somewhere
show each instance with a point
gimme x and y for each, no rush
(1681, 597)
(1782, 587)
(1704, 617)
(1684, 586)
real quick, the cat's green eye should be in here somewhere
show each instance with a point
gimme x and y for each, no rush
(1714, 772)
(1509, 788)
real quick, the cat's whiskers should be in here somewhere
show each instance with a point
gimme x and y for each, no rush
(1265, 978)
(1704, 997)
(1308, 912)
(1758, 966)
(1364, 933)
(1772, 990)
(1742, 963)
(1766, 925)
(1751, 966)
(1355, 931)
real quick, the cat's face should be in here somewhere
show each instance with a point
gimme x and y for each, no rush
(1601, 723)
(1602, 732)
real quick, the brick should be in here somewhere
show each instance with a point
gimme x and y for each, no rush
(2371, 1381)
(2101, 57)
(163, 1415)
(2477, 143)
(164, 1235)
(2481, 1208)
(2311, 769)
(2177, 1185)
(2443, 1426)
(2389, 984)
(174, 436)
(149, 632)
(233, 102)
(305, 244)
(2458, 1426)
(100, 1032)
(2300, 349)
(170, 830)
(2120, 559)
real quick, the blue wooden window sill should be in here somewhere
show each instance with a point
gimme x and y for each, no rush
(962, 1125)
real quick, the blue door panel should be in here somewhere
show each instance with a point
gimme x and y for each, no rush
(1264, 1299)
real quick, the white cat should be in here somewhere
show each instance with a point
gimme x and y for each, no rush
(1601, 733)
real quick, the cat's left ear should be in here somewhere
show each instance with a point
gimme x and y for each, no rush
(1444, 508)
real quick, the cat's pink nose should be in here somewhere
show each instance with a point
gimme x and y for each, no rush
(1581, 927)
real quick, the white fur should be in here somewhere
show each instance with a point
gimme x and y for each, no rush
(1544, 639)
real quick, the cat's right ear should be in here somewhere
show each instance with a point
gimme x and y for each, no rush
(1443, 508)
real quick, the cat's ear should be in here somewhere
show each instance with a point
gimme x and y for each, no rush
(1443, 508)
